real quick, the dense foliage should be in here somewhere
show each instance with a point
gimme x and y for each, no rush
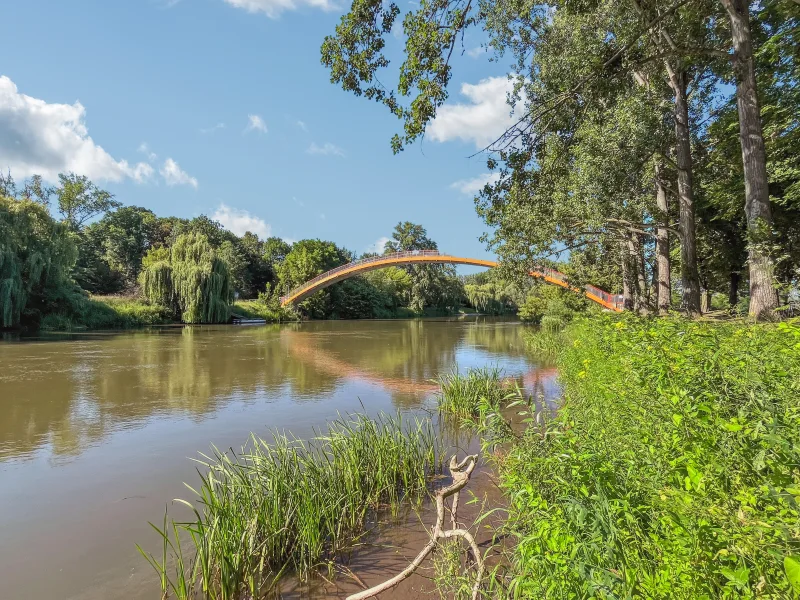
(36, 257)
(191, 279)
(629, 139)
(671, 470)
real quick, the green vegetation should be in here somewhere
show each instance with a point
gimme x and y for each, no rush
(480, 401)
(194, 282)
(290, 505)
(652, 141)
(460, 395)
(36, 255)
(109, 312)
(179, 270)
(549, 306)
(671, 470)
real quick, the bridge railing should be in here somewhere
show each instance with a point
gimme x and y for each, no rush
(355, 263)
(614, 300)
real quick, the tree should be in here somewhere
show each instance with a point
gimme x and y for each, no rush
(429, 285)
(306, 260)
(193, 281)
(36, 257)
(259, 273)
(79, 200)
(274, 252)
(763, 297)
(127, 234)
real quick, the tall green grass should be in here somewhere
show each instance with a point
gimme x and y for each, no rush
(481, 399)
(292, 506)
(106, 312)
(547, 341)
(460, 395)
(672, 469)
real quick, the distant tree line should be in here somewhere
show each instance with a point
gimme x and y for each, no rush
(62, 245)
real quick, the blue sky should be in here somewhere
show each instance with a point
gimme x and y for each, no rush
(222, 107)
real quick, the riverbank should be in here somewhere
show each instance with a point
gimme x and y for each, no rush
(119, 312)
(671, 470)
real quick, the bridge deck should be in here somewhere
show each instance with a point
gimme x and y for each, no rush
(610, 301)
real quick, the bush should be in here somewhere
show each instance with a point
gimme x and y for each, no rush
(105, 313)
(672, 470)
(546, 299)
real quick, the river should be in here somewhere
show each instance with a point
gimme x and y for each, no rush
(97, 429)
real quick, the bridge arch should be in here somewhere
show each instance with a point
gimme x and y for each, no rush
(605, 299)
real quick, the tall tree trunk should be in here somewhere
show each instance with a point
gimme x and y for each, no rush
(733, 290)
(644, 295)
(763, 296)
(627, 277)
(664, 282)
(635, 273)
(690, 280)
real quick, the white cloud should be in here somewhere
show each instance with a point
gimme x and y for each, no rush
(327, 149)
(482, 120)
(255, 123)
(273, 8)
(174, 175)
(213, 129)
(145, 149)
(240, 221)
(302, 125)
(379, 246)
(142, 172)
(37, 137)
(476, 51)
(471, 187)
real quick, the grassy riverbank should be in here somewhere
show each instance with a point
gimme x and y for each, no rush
(672, 469)
(106, 312)
(118, 312)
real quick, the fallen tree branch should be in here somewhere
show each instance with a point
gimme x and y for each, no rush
(461, 472)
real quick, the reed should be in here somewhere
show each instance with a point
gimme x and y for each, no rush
(292, 506)
(481, 401)
(461, 395)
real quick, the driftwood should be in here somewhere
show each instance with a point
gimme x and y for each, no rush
(461, 472)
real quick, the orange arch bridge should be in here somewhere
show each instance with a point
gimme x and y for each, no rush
(610, 301)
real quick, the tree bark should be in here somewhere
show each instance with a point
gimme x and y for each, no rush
(664, 282)
(643, 297)
(635, 274)
(627, 278)
(690, 280)
(763, 296)
(733, 290)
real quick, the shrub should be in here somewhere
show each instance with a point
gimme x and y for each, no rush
(672, 470)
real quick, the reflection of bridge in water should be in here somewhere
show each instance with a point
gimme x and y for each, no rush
(325, 361)
(605, 299)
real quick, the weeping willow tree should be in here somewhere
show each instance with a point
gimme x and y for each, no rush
(491, 296)
(36, 257)
(190, 279)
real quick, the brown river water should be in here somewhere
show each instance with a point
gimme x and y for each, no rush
(97, 432)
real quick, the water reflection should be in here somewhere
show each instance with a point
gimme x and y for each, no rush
(62, 394)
